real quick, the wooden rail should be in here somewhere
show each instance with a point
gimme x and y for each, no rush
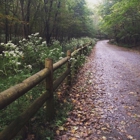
(10, 95)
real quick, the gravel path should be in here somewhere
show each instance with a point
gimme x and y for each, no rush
(106, 97)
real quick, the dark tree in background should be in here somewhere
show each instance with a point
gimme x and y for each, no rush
(53, 19)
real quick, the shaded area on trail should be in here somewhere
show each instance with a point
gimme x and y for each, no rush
(106, 97)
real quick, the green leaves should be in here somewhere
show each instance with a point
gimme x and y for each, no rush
(57, 19)
(120, 18)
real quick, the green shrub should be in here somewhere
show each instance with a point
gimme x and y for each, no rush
(19, 62)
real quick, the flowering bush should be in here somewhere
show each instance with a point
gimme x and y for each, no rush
(35, 51)
(75, 43)
(20, 61)
(29, 55)
(11, 58)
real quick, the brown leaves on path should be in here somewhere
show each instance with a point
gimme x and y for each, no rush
(83, 121)
(106, 97)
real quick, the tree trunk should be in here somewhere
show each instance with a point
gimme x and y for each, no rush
(6, 23)
(28, 19)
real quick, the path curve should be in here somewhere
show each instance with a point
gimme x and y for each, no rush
(119, 71)
(106, 97)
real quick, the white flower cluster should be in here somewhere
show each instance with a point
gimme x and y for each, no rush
(29, 67)
(36, 34)
(11, 56)
(72, 59)
(9, 45)
(44, 42)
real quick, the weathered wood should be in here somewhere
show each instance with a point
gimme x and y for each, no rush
(75, 65)
(74, 53)
(49, 89)
(69, 68)
(13, 93)
(60, 63)
(10, 131)
(60, 79)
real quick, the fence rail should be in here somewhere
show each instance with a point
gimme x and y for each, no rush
(10, 95)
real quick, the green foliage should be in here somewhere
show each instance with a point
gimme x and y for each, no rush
(20, 62)
(121, 20)
(52, 19)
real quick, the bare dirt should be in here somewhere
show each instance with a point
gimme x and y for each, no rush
(106, 97)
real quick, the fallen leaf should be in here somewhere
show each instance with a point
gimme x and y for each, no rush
(129, 137)
(75, 128)
(73, 139)
(61, 128)
(104, 138)
(73, 131)
(57, 132)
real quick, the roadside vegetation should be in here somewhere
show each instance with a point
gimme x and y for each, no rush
(31, 31)
(120, 21)
(23, 60)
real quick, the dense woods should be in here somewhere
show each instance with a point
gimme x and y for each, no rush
(120, 20)
(65, 19)
(53, 19)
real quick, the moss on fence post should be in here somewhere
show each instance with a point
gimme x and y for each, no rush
(49, 88)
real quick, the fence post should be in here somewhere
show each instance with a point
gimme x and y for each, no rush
(69, 67)
(86, 50)
(49, 89)
(80, 52)
(76, 63)
(82, 49)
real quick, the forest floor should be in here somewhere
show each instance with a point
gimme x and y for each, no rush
(106, 97)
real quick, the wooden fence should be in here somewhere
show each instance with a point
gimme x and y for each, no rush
(10, 95)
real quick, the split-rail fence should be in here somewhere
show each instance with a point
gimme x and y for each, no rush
(13, 93)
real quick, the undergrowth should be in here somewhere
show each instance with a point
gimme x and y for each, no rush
(19, 62)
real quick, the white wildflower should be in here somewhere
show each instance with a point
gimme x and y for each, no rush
(44, 42)
(13, 46)
(11, 52)
(14, 55)
(16, 49)
(36, 34)
(29, 66)
(13, 61)
(20, 53)
(60, 58)
(18, 63)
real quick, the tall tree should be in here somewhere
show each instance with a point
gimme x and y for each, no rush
(53, 19)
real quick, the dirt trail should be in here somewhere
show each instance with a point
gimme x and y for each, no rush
(106, 97)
